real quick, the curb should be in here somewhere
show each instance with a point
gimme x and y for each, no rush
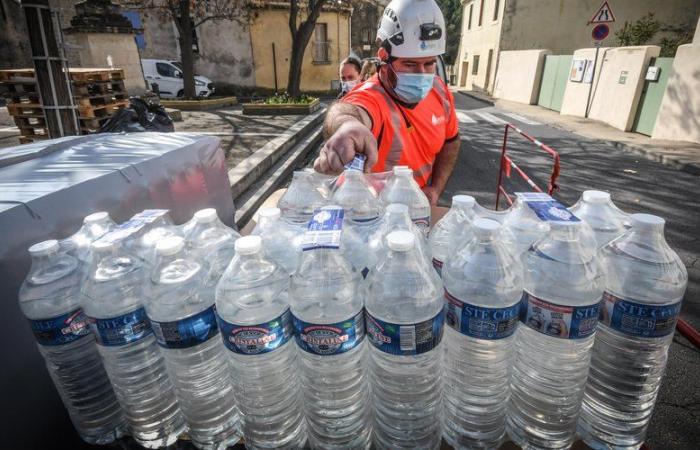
(479, 97)
(247, 172)
(675, 162)
(265, 185)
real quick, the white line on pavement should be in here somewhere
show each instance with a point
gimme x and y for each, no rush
(464, 118)
(490, 118)
(8, 129)
(520, 118)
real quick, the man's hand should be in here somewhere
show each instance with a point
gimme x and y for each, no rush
(432, 194)
(350, 138)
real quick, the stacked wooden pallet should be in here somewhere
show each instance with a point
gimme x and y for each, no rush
(97, 95)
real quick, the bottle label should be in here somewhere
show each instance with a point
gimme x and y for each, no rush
(121, 330)
(567, 322)
(357, 163)
(637, 319)
(187, 332)
(62, 329)
(438, 266)
(413, 339)
(330, 339)
(480, 322)
(257, 339)
(423, 223)
(546, 208)
(324, 229)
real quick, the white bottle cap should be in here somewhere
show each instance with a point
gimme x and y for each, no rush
(400, 241)
(44, 247)
(485, 227)
(103, 244)
(170, 245)
(248, 245)
(463, 200)
(403, 170)
(96, 217)
(273, 213)
(397, 208)
(647, 222)
(206, 215)
(596, 196)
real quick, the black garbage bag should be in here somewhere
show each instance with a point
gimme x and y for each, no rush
(139, 116)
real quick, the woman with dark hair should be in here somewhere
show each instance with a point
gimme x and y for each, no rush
(349, 72)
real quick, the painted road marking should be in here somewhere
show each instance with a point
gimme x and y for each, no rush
(464, 118)
(9, 129)
(490, 118)
(520, 118)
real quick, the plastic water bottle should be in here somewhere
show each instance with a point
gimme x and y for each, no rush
(356, 196)
(522, 227)
(396, 218)
(327, 303)
(402, 188)
(180, 307)
(452, 231)
(94, 226)
(281, 240)
(112, 298)
(211, 242)
(559, 312)
(143, 231)
(645, 283)
(483, 287)
(405, 317)
(252, 305)
(600, 213)
(301, 199)
(50, 299)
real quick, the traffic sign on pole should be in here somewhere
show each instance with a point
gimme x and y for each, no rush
(600, 32)
(603, 15)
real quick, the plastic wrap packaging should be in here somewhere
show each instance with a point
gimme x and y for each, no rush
(46, 189)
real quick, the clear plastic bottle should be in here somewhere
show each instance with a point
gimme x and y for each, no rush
(301, 199)
(402, 188)
(252, 305)
(180, 307)
(281, 240)
(112, 298)
(404, 318)
(559, 312)
(645, 283)
(483, 287)
(452, 231)
(522, 227)
(600, 213)
(327, 307)
(357, 197)
(94, 226)
(144, 230)
(211, 242)
(395, 218)
(50, 299)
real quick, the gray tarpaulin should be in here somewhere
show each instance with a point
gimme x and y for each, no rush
(46, 189)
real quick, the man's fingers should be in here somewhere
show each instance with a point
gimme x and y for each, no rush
(370, 150)
(333, 157)
(321, 163)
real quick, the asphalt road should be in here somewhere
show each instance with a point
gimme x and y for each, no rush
(636, 185)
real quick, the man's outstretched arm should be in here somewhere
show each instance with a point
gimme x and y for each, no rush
(347, 131)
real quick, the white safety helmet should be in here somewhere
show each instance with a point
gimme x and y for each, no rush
(413, 28)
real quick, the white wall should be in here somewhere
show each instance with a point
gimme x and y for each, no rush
(519, 75)
(620, 85)
(576, 93)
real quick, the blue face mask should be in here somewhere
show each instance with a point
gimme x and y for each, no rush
(413, 87)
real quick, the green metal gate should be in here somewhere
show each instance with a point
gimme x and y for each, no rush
(554, 78)
(652, 94)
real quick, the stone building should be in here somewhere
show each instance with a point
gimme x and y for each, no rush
(492, 26)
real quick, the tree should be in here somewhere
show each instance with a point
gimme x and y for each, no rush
(452, 11)
(301, 34)
(643, 31)
(188, 15)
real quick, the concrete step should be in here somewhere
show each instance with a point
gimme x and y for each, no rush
(248, 171)
(267, 182)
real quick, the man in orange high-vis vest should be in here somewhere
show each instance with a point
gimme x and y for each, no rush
(403, 115)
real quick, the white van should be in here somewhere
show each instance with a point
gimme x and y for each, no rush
(168, 76)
